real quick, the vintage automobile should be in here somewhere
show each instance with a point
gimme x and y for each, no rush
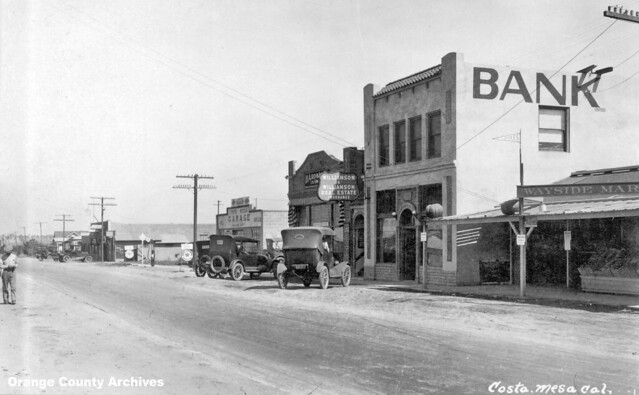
(308, 254)
(66, 256)
(47, 254)
(235, 255)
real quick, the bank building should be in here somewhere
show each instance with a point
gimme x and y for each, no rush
(464, 135)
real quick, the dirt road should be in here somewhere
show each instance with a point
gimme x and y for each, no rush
(94, 328)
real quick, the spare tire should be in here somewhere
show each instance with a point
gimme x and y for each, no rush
(217, 264)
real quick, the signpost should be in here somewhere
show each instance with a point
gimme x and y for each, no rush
(567, 237)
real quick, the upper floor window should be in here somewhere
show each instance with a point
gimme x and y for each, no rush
(435, 135)
(384, 146)
(415, 139)
(400, 142)
(553, 129)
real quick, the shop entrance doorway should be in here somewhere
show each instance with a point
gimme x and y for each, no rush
(407, 246)
(358, 245)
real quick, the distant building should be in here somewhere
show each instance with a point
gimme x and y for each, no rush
(245, 220)
(345, 217)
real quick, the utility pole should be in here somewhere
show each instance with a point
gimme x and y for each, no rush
(64, 223)
(102, 204)
(41, 232)
(195, 187)
(617, 12)
(218, 207)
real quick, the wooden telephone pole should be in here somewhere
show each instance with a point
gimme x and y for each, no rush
(195, 188)
(102, 204)
(64, 223)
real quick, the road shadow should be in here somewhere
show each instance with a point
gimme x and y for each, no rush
(559, 303)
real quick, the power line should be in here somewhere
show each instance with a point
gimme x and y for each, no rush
(449, 156)
(305, 126)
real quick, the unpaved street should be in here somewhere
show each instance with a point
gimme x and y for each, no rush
(95, 328)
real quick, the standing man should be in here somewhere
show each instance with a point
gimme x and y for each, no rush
(9, 266)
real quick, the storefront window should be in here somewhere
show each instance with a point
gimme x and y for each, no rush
(386, 234)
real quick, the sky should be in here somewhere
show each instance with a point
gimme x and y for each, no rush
(117, 98)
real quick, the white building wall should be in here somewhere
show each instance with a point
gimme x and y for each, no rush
(488, 169)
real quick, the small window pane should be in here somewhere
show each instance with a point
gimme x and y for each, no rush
(384, 146)
(400, 142)
(415, 139)
(551, 119)
(553, 129)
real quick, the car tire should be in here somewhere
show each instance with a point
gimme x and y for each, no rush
(217, 264)
(49, 258)
(88, 258)
(237, 271)
(324, 277)
(282, 280)
(66, 258)
(346, 276)
(199, 270)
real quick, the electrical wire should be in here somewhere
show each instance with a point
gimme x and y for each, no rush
(191, 73)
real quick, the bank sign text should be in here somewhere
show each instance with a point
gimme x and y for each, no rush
(489, 84)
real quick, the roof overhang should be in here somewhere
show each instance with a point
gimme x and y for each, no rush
(551, 211)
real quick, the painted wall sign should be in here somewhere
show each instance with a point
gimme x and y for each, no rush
(622, 188)
(240, 217)
(488, 85)
(337, 186)
(312, 179)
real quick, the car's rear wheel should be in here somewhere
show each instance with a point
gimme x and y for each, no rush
(346, 276)
(66, 258)
(282, 280)
(199, 270)
(324, 278)
(237, 271)
(88, 258)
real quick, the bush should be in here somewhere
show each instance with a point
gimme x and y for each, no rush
(613, 262)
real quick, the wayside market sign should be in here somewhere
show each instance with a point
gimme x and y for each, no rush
(337, 186)
(622, 188)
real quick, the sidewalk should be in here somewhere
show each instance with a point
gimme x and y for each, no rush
(555, 295)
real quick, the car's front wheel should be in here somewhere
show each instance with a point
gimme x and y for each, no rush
(324, 278)
(199, 270)
(88, 258)
(346, 276)
(66, 258)
(282, 280)
(237, 271)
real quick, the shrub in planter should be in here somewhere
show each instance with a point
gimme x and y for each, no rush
(612, 262)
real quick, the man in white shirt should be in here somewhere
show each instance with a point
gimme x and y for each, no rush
(8, 266)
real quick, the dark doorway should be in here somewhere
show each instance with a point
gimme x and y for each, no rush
(407, 246)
